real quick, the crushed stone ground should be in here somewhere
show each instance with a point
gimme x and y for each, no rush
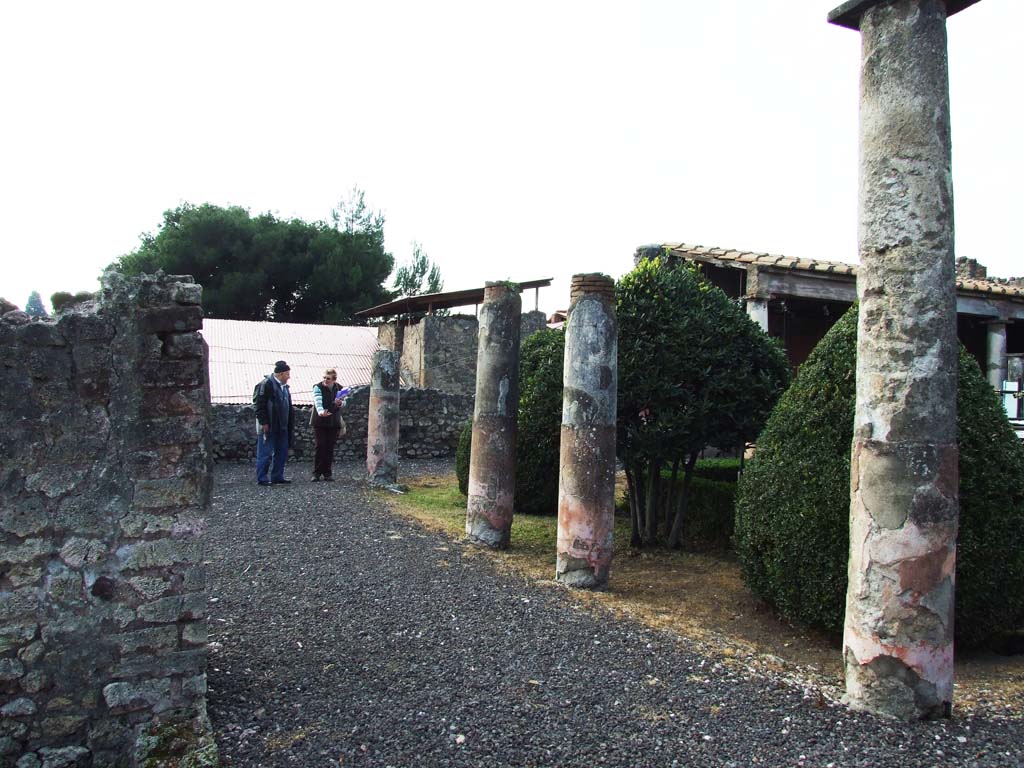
(343, 635)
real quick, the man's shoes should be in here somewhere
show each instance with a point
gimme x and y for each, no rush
(263, 482)
(328, 479)
(280, 482)
(316, 478)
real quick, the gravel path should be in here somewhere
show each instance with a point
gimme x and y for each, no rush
(342, 635)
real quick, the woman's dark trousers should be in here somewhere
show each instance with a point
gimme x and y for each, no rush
(324, 458)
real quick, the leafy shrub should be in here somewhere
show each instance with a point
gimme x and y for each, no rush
(792, 513)
(62, 300)
(540, 422)
(694, 371)
(708, 523)
(462, 457)
(723, 470)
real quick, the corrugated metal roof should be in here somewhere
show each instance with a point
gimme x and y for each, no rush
(243, 351)
(426, 302)
(777, 261)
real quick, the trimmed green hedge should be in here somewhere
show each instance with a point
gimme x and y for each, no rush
(539, 426)
(462, 457)
(723, 470)
(792, 512)
(709, 515)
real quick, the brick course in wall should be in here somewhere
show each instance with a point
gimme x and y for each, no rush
(104, 481)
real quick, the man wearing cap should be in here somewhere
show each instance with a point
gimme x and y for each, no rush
(273, 404)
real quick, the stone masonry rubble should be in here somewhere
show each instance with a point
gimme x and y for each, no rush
(104, 480)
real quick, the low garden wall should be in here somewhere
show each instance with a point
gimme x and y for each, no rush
(430, 424)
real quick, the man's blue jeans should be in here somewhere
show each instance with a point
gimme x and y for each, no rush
(271, 454)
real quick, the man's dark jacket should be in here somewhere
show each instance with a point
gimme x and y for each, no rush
(271, 409)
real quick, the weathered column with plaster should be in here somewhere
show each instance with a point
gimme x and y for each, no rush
(586, 475)
(898, 637)
(757, 310)
(382, 420)
(492, 461)
(995, 364)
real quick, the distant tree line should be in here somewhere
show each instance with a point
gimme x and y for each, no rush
(287, 270)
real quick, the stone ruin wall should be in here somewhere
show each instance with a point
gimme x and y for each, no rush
(448, 353)
(104, 481)
(439, 352)
(430, 423)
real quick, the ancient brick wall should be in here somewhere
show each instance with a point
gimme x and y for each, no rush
(430, 423)
(104, 480)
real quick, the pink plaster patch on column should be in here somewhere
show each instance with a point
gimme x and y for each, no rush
(933, 664)
(581, 536)
(925, 573)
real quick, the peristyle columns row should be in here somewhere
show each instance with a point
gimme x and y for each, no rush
(586, 487)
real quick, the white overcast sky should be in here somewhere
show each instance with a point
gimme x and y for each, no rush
(513, 141)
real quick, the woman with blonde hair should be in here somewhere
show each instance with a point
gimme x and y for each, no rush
(327, 423)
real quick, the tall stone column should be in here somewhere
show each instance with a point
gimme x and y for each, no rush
(382, 426)
(995, 364)
(898, 635)
(492, 461)
(586, 475)
(757, 310)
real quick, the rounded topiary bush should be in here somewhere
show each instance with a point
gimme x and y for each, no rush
(540, 422)
(462, 457)
(792, 511)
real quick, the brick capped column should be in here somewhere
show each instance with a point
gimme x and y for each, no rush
(382, 427)
(492, 462)
(898, 637)
(586, 476)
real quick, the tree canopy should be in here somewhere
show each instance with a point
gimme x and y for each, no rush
(34, 306)
(409, 278)
(265, 268)
(694, 371)
(419, 276)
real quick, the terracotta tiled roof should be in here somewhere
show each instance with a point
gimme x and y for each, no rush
(777, 261)
(242, 352)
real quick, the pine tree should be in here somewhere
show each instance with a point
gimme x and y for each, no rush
(34, 306)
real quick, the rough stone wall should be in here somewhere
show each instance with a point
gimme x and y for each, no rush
(449, 353)
(390, 336)
(430, 422)
(439, 352)
(105, 477)
(410, 362)
(531, 322)
(970, 268)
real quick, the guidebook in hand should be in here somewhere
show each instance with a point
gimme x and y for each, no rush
(342, 393)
